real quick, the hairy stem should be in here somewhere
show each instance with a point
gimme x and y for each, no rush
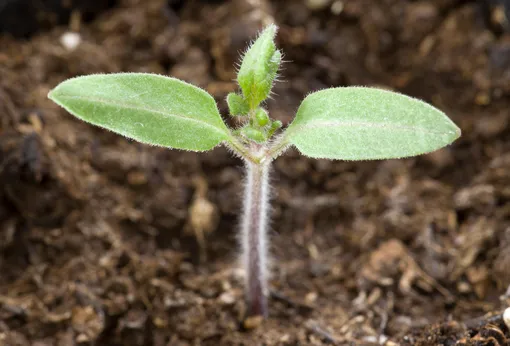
(254, 243)
(278, 147)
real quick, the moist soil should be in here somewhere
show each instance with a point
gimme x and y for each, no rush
(104, 241)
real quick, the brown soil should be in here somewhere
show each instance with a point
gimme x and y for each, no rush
(98, 236)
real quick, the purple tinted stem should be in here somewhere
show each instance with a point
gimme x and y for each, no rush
(254, 242)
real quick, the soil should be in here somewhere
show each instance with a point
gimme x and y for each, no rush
(101, 239)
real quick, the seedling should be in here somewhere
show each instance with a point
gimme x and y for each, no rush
(346, 123)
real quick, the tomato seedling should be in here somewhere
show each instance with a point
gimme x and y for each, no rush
(345, 123)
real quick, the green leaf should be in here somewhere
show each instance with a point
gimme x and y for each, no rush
(237, 104)
(358, 123)
(149, 108)
(275, 125)
(261, 117)
(254, 134)
(259, 67)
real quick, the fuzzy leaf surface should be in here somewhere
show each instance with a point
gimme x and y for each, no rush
(259, 67)
(358, 123)
(149, 108)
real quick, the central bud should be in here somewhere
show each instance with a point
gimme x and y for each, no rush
(256, 76)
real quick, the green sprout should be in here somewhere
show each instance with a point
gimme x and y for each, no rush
(345, 123)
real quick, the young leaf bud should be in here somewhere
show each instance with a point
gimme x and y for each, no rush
(261, 117)
(259, 67)
(254, 134)
(274, 127)
(237, 104)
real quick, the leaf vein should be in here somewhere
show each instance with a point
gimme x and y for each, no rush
(148, 109)
(322, 124)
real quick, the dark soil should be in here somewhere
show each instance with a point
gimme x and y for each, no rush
(99, 243)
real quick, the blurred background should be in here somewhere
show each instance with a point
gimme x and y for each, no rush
(108, 242)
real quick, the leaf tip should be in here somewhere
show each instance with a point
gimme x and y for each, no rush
(55, 93)
(458, 132)
(454, 131)
(51, 94)
(270, 30)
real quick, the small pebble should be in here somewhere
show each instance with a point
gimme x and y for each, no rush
(81, 338)
(285, 338)
(337, 7)
(238, 274)
(203, 215)
(311, 297)
(317, 5)
(70, 40)
(506, 317)
(136, 178)
(252, 322)
(227, 298)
